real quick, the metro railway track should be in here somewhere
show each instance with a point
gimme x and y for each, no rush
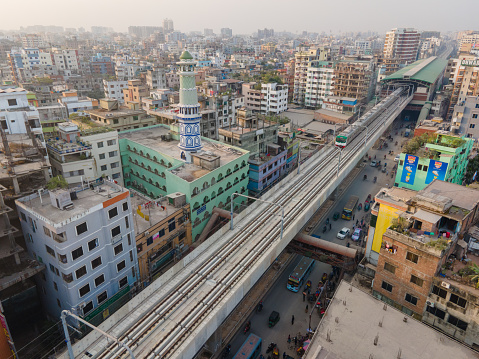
(160, 312)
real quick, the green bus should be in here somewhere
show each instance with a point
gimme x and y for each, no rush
(350, 207)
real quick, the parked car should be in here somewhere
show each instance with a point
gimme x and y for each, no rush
(343, 233)
(396, 159)
(374, 163)
(356, 235)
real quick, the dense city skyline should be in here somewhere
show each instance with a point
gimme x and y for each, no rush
(373, 15)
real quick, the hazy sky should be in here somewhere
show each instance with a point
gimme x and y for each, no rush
(246, 16)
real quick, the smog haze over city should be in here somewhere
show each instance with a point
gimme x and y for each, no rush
(248, 15)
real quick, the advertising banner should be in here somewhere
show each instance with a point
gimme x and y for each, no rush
(409, 169)
(436, 170)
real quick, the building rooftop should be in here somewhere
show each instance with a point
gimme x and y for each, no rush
(395, 196)
(156, 213)
(238, 130)
(151, 137)
(121, 112)
(87, 201)
(425, 70)
(12, 90)
(352, 322)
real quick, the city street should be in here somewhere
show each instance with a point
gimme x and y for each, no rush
(362, 188)
(287, 304)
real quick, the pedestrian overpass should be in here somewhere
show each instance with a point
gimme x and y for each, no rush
(181, 310)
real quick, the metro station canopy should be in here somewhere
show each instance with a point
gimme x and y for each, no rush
(425, 72)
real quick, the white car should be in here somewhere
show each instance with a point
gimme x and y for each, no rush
(396, 159)
(343, 233)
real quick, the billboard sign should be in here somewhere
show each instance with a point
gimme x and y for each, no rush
(471, 63)
(409, 169)
(436, 170)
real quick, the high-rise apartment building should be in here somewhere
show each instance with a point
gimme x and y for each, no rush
(402, 44)
(226, 32)
(168, 26)
(463, 75)
(305, 59)
(354, 79)
(319, 84)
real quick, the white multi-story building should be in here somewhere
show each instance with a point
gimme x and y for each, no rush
(319, 84)
(85, 155)
(156, 79)
(86, 239)
(114, 89)
(305, 59)
(15, 111)
(274, 98)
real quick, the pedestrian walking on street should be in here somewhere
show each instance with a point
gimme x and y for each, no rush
(289, 338)
(357, 221)
(284, 355)
(292, 320)
(330, 226)
(304, 296)
(353, 217)
(306, 310)
(295, 340)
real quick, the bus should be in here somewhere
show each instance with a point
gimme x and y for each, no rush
(300, 274)
(349, 208)
(250, 349)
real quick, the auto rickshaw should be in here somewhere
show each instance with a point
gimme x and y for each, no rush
(366, 207)
(273, 319)
(275, 353)
(336, 216)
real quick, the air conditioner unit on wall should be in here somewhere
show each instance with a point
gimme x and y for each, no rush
(445, 284)
(429, 303)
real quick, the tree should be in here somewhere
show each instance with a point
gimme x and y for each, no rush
(57, 182)
(474, 277)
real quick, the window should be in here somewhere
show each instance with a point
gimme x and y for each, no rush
(411, 299)
(102, 297)
(81, 228)
(100, 144)
(457, 322)
(62, 258)
(50, 251)
(115, 165)
(412, 257)
(149, 241)
(389, 267)
(116, 175)
(127, 224)
(96, 262)
(112, 153)
(416, 280)
(84, 290)
(103, 168)
(55, 286)
(80, 272)
(93, 244)
(472, 125)
(387, 286)
(87, 308)
(67, 277)
(115, 121)
(46, 231)
(118, 249)
(99, 280)
(12, 102)
(131, 256)
(120, 266)
(424, 168)
(458, 300)
(474, 115)
(437, 312)
(111, 142)
(102, 156)
(125, 206)
(113, 212)
(23, 216)
(123, 282)
(439, 292)
(59, 303)
(171, 225)
(129, 239)
(77, 253)
(52, 268)
(115, 231)
(161, 233)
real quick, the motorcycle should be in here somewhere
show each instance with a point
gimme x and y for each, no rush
(324, 229)
(227, 351)
(396, 143)
(247, 327)
(365, 177)
(271, 346)
(384, 156)
(260, 306)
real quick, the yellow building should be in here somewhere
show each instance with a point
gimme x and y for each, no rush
(162, 233)
(389, 203)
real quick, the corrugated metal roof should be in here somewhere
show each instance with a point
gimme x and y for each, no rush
(425, 70)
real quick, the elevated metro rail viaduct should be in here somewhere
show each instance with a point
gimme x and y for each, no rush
(425, 75)
(178, 332)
